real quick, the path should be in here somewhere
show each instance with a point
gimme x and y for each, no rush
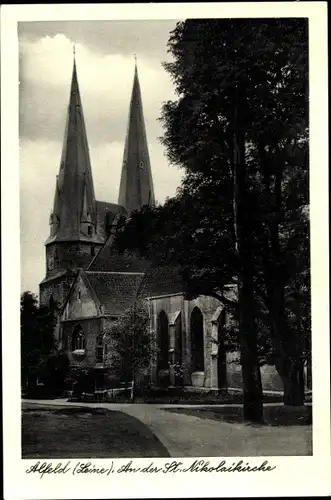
(190, 436)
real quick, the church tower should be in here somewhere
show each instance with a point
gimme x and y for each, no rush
(136, 188)
(74, 232)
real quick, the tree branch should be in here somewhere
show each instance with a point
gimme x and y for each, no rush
(224, 300)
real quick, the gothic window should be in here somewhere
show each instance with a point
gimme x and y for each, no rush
(92, 250)
(89, 230)
(51, 303)
(78, 338)
(221, 358)
(56, 256)
(99, 349)
(197, 341)
(163, 340)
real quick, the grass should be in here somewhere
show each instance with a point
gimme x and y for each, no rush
(85, 433)
(273, 415)
(173, 396)
(196, 398)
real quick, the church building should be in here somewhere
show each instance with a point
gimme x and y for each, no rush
(93, 286)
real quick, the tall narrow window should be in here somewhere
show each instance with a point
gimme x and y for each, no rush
(163, 340)
(78, 338)
(197, 341)
(99, 349)
(51, 303)
(221, 358)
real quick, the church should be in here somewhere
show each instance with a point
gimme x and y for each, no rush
(93, 286)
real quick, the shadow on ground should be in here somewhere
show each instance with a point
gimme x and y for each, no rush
(273, 415)
(86, 433)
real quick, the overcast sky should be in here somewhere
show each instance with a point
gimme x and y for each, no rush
(105, 67)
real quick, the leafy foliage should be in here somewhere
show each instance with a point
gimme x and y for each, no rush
(130, 345)
(40, 357)
(239, 129)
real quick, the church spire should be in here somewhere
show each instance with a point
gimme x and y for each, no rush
(136, 187)
(74, 211)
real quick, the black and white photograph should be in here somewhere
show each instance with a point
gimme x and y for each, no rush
(165, 183)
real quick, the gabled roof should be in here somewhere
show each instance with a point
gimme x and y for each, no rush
(109, 260)
(58, 275)
(116, 292)
(162, 280)
(81, 274)
(136, 188)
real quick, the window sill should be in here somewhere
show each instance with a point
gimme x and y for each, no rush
(79, 352)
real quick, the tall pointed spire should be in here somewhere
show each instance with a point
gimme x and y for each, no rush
(136, 187)
(74, 212)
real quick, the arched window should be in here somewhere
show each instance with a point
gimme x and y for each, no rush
(51, 303)
(78, 338)
(56, 257)
(221, 358)
(99, 349)
(197, 341)
(50, 262)
(163, 340)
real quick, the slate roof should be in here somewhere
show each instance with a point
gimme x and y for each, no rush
(109, 260)
(116, 292)
(74, 193)
(164, 280)
(55, 276)
(136, 188)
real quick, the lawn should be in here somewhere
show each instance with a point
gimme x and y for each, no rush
(279, 415)
(85, 433)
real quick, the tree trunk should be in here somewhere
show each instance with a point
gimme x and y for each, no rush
(291, 373)
(288, 365)
(252, 387)
(253, 394)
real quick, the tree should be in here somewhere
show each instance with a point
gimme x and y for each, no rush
(81, 379)
(53, 371)
(130, 346)
(252, 114)
(241, 136)
(30, 339)
(40, 358)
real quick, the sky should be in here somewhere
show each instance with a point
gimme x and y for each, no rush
(105, 67)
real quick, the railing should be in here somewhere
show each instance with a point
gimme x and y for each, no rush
(106, 394)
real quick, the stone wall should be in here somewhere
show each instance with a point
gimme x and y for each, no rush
(171, 305)
(61, 256)
(57, 288)
(92, 327)
(211, 310)
(80, 304)
(207, 306)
